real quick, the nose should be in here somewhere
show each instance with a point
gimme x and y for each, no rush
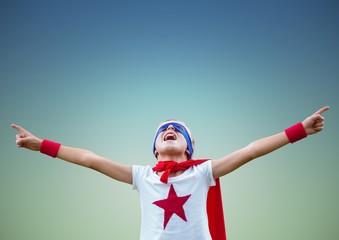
(170, 127)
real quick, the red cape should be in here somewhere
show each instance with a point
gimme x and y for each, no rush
(215, 212)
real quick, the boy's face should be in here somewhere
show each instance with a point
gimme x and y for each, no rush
(170, 141)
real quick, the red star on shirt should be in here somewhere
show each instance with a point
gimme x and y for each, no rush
(172, 204)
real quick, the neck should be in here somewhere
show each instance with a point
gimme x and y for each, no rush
(175, 158)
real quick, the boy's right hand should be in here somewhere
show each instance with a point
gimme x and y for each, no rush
(26, 140)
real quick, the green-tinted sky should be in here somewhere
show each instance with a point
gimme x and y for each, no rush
(102, 75)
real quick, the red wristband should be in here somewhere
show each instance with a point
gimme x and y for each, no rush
(49, 148)
(295, 132)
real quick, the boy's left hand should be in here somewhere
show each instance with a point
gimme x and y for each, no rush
(315, 122)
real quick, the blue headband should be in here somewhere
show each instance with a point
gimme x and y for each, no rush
(179, 128)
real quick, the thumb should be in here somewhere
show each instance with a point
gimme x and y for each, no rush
(317, 118)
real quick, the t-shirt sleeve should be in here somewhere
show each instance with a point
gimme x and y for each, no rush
(209, 173)
(135, 177)
(138, 173)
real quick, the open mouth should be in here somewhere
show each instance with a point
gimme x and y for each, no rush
(170, 136)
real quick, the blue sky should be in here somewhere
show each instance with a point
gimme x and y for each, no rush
(102, 75)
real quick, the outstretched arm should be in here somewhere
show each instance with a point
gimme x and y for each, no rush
(78, 156)
(258, 148)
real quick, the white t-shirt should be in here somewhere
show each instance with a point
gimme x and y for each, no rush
(182, 201)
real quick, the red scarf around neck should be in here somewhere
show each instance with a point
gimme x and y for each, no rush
(215, 212)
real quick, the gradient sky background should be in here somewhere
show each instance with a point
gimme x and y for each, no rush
(101, 75)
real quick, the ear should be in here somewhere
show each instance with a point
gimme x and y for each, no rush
(156, 153)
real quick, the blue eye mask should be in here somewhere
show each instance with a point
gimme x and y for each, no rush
(179, 128)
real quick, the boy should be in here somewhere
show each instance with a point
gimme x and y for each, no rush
(174, 193)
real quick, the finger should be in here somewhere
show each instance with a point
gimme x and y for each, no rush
(322, 110)
(17, 127)
(318, 125)
(318, 129)
(318, 119)
(18, 143)
(315, 119)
